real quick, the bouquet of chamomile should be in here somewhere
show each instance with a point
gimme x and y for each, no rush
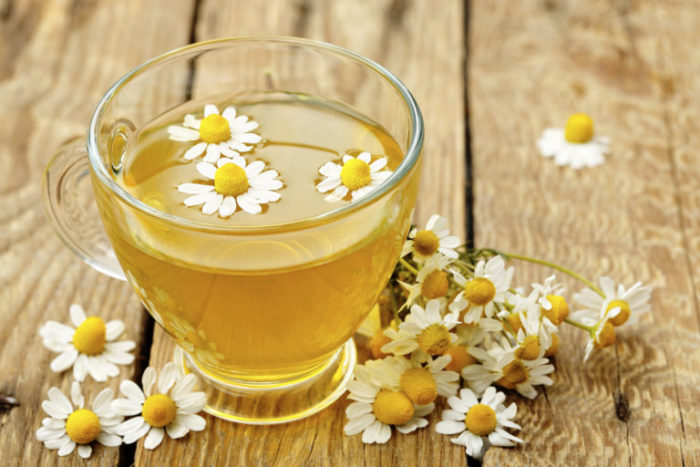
(461, 330)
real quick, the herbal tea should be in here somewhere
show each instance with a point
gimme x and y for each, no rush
(244, 303)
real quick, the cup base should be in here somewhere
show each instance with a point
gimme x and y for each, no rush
(275, 403)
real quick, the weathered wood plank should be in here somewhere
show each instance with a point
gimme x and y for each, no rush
(423, 46)
(56, 59)
(531, 64)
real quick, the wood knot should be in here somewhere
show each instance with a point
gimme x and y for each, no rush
(7, 403)
(622, 406)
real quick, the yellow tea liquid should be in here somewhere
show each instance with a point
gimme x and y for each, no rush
(249, 301)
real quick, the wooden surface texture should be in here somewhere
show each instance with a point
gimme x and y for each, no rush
(489, 76)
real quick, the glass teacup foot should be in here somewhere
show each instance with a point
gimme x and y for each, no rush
(267, 404)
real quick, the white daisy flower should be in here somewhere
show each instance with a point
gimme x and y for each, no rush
(235, 185)
(551, 301)
(432, 282)
(479, 423)
(575, 145)
(434, 238)
(488, 286)
(602, 334)
(90, 347)
(422, 384)
(534, 337)
(377, 408)
(218, 134)
(424, 330)
(619, 306)
(172, 409)
(356, 176)
(70, 425)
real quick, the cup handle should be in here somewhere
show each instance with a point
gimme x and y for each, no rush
(70, 205)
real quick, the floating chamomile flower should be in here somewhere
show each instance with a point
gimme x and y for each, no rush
(172, 409)
(90, 347)
(575, 145)
(377, 407)
(479, 423)
(356, 176)
(236, 185)
(72, 424)
(618, 306)
(434, 238)
(425, 330)
(219, 134)
(489, 285)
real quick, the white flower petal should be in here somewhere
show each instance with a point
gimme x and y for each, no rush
(176, 430)
(60, 401)
(195, 151)
(210, 109)
(248, 204)
(148, 379)
(212, 205)
(102, 402)
(77, 314)
(194, 188)
(154, 438)
(126, 407)
(184, 386)
(167, 377)
(67, 448)
(228, 206)
(206, 169)
(114, 329)
(193, 422)
(107, 439)
(64, 360)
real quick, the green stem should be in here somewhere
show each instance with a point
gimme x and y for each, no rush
(578, 325)
(408, 266)
(569, 272)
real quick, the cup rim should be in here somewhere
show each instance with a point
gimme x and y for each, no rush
(405, 167)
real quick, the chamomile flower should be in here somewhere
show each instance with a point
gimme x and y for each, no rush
(371, 328)
(602, 334)
(218, 134)
(432, 282)
(523, 375)
(422, 384)
(479, 423)
(488, 286)
(425, 330)
(619, 305)
(575, 145)
(70, 425)
(235, 185)
(534, 338)
(356, 177)
(90, 347)
(172, 409)
(377, 408)
(434, 238)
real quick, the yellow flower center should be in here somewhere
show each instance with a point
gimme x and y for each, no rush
(460, 358)
(355, 174)
(159, 410)
(435, 285)
(419, 385)
(376, 343)
(554, 347)
(426, 242)
(480, 419)
(513, 320)
(479, 291)
(514, 373)
(392, 407)
(622, 316)
(90, 336)
(214, 129)
(579, 128)
(83, 426)
(559, 311)
(529, 349)
(230, 180)
(606, 338)
(434, 340)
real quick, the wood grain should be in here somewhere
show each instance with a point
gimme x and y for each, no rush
(389, 32)
(635, 218)
(56, 60)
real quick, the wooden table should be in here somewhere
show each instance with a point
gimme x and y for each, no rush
(489, 76)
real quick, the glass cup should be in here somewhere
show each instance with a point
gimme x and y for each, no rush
(265, 314)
